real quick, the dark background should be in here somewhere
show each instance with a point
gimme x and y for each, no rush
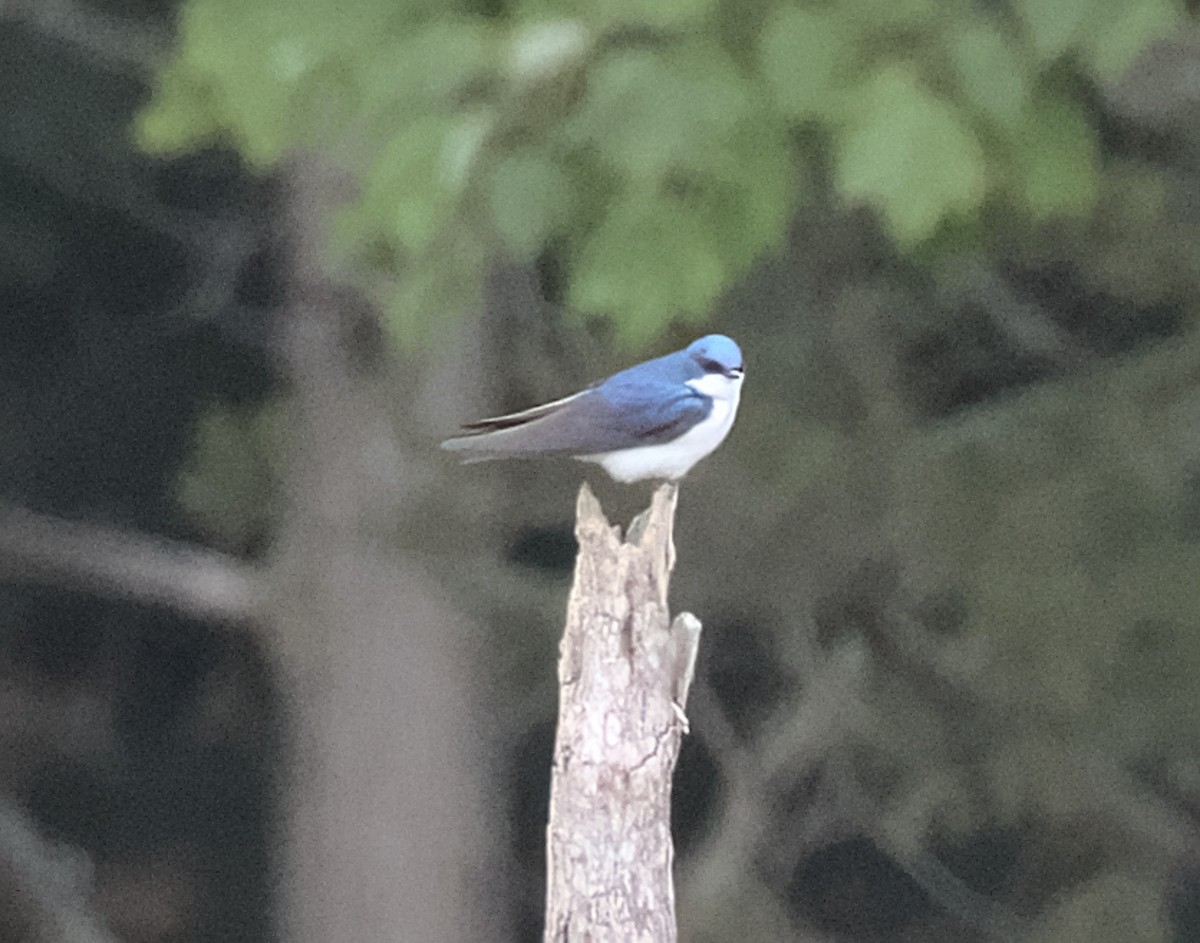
(947, 562)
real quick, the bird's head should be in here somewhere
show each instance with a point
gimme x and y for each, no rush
(717, 354)
(716, 362)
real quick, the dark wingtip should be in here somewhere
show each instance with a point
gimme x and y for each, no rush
(503, 422)
(487, 425)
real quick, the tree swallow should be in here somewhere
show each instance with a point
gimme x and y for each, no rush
(655, 420)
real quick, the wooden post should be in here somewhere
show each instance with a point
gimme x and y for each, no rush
(624, 669)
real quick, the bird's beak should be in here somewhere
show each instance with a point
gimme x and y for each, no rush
(735, 373)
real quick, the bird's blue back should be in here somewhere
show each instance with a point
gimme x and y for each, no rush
(675, 369)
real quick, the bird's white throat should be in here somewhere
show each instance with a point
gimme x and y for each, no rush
(719, 387)
(672, 460)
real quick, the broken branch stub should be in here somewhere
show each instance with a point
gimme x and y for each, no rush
(624, 671)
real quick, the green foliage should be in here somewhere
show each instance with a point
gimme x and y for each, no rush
(647, 255)
(230, 483)
(992, 74)
(652, 143)
(1121, 30)
(650, 113)
(910, 153)
(1058, 173)
(1053, 25)
(805, 56)
(1056, 517)
(530, 199)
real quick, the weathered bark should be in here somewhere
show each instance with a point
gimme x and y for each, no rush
(624, 670)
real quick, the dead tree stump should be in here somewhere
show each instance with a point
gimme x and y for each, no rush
(624, 670)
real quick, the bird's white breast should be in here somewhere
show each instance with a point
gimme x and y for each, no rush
(672, 460)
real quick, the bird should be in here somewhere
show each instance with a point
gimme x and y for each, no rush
(655, 420)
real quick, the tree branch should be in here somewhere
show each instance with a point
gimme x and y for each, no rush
(123, 565)
(43, 889)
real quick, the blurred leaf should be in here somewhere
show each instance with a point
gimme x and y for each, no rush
(436, 287)
(1123, 29)
(423, 70)
(649, 112)
(651, 258)
(658, 13)
(748, 195)
(420, 175)
(910, 154)
(541, 48)
(1057, 159)
(530, 200)
(991, 73)
(250, 69)
(230, 480)
(259, 70)
(324, 105)
(683, 138)
(1053, 25)
(803, 54)
(890, 17)
(186, 113)
(527, 116)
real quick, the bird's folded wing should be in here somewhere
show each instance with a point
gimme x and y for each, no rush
(587, 423)
(526, 415)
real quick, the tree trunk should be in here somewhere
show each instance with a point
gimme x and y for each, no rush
(382, 823)
(624, 670)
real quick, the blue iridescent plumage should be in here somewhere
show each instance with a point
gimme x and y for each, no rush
(653, 420)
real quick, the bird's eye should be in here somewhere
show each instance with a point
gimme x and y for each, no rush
(718, 368)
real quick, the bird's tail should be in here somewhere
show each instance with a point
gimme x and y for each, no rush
(473, 448)
(536, 431)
